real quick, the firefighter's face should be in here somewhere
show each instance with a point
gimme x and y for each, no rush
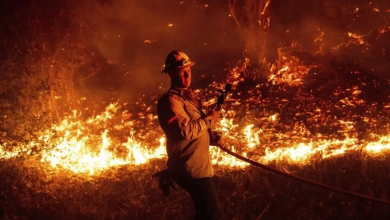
(181, 77)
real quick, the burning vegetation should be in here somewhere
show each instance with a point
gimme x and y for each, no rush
(311, 99)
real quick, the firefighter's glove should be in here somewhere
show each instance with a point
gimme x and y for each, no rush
(213, 114)
(216, 138)
(165, 181)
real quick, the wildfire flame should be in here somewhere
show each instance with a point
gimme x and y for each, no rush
(114, 138)
(93, 145)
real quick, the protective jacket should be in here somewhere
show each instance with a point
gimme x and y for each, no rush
(186, 127)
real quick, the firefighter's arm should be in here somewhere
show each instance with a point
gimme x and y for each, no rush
(181, 125)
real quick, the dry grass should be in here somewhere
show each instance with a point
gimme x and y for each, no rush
(28, 192)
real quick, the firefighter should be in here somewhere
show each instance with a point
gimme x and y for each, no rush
(186, 127)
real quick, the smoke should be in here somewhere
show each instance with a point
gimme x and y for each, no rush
(124, 42)
(332, 28)
(129, 40)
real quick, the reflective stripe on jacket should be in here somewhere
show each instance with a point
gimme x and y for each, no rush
(185, 126)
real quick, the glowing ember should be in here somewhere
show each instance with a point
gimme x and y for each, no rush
(5, 154)
(263, 134)
(75, 145)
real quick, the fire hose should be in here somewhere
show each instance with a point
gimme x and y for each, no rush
(304, 180)
(220, 100)
(165, 182)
